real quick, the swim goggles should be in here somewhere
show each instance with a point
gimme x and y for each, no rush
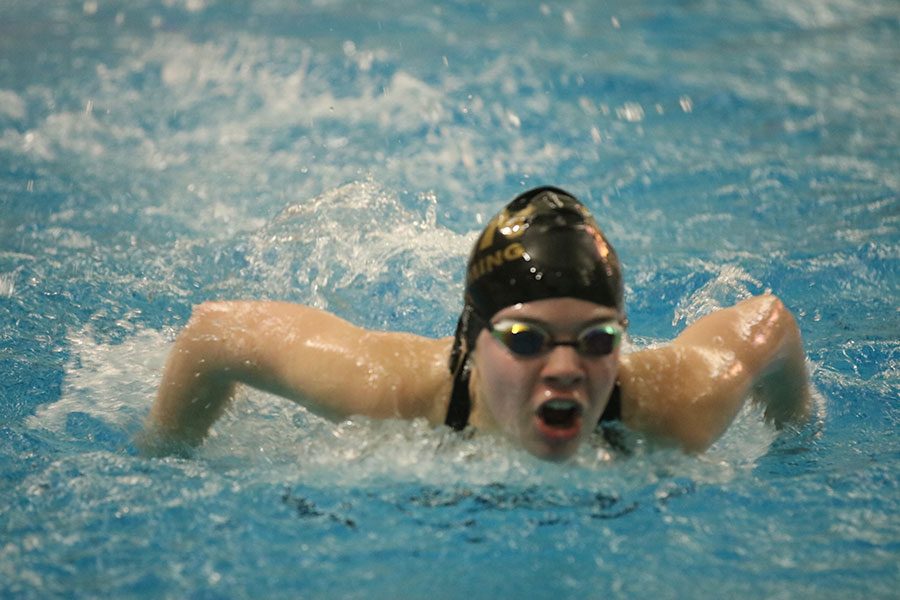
(529, 339)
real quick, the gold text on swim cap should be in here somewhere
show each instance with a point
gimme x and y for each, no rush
(489, 262)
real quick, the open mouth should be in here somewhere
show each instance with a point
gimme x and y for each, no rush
(559, 414)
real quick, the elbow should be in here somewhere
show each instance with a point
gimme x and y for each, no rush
(697, 437)
(201, 348)
(690, 439)
(210, 325)
(771, 333)
(197, 324)
(768, 306)
(775, 313)
(206, 314)
(780, 313)
(691, 431)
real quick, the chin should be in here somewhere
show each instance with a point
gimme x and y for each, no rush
(554, 453)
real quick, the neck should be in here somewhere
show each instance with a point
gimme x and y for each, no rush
(479, 417)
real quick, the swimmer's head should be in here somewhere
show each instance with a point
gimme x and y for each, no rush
(544, 244)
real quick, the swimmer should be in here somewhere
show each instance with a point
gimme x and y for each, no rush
(536, 356)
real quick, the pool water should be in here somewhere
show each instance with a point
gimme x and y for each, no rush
(159, 153)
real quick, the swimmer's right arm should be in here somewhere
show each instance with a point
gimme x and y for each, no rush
(310, 356)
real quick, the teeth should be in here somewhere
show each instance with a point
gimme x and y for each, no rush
(559, 413)
(559, 404)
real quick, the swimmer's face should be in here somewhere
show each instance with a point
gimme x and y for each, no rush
(549, 402)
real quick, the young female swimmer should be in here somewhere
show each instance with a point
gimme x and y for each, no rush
(536, 354)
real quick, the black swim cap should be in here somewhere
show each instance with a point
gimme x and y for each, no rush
(543, 244)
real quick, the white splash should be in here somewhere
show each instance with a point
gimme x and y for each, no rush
(113, 382)
(11, 105)
(7, 284)
(363, 234)
(730, 285)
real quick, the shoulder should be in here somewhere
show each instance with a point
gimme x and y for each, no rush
(416, 370)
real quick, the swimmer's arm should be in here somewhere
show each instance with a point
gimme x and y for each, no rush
(309, 356)
(690, 391)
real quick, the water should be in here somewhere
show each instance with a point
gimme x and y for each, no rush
(160, 153)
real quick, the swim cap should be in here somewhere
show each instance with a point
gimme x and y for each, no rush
(543, 244)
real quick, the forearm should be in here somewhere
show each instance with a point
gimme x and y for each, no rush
(782, 383)
(196, 385)
(190, 399)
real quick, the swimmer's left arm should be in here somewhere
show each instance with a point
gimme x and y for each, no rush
(690, 391)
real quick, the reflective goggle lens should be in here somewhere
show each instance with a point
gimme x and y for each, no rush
(522, 338)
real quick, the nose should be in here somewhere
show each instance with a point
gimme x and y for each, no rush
(563, 368)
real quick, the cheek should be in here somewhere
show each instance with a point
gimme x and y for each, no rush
(502, 383)
(608, 367)
(604, 375)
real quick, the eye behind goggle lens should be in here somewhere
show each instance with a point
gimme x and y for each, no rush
(599, 341)
(523, 340)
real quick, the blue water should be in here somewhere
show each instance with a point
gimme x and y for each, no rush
(158, 153)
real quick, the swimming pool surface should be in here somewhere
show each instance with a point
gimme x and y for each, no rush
(159, 153)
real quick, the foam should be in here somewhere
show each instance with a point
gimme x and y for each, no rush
(12, 105)
(368, 240)
(729, 285)
(7, 284)
(112, 382)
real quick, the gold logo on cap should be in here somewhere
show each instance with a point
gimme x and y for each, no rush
(510, 225)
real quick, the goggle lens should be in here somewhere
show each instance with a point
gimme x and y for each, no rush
(599, 340)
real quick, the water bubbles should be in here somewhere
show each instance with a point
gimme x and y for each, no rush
(631, 112)
(363, 59)
(198, 154)
(7, 285)
(12, 105)
(355, 241)
(189, 5)
(108, 381)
